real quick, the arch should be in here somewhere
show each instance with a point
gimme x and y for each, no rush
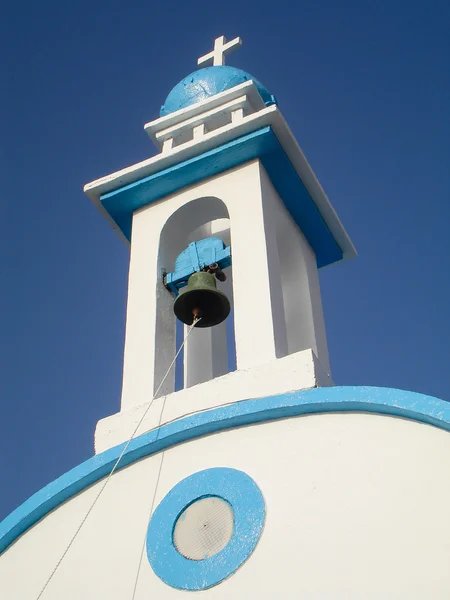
(205, 354)
(175, 235)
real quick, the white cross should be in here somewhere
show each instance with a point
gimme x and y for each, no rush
(217, 56)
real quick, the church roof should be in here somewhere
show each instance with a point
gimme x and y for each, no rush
(207, 82)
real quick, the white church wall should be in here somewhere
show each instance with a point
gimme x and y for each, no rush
(356, 507)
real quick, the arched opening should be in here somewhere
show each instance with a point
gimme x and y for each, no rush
(209, 352)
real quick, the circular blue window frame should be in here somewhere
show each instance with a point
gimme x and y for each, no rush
(247, 503)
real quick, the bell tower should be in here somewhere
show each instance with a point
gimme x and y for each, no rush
(229, 211)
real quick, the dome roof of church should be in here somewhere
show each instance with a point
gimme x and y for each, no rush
(207, 82)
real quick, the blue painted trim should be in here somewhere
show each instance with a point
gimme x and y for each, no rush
(196, 257)
(247, 503)
(386, 401)
(262, 144)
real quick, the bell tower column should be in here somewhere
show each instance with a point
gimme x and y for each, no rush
(260, 329)
(212, 344)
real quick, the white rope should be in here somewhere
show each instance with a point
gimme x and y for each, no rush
(116, 464)
(148, 523)
(153, 498)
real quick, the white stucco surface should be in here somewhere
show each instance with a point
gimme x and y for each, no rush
(357, 508)
(300, 370)
(299, 280)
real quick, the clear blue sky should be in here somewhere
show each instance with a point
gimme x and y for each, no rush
(365, 88)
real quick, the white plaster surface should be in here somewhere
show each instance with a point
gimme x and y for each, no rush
(298, 282)
(297, 371)
(357, 508)
(197, 126)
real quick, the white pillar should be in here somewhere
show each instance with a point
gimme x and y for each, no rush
(206, 350)
(205, 355)
(258, 305)
(301, 290)
(150, 323)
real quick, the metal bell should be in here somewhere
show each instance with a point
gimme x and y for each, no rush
(202, 298)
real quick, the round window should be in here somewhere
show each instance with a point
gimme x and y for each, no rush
(204, 528)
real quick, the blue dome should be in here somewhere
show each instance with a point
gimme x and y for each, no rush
(207, 82)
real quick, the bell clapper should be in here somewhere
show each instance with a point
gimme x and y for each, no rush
(197, 316)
